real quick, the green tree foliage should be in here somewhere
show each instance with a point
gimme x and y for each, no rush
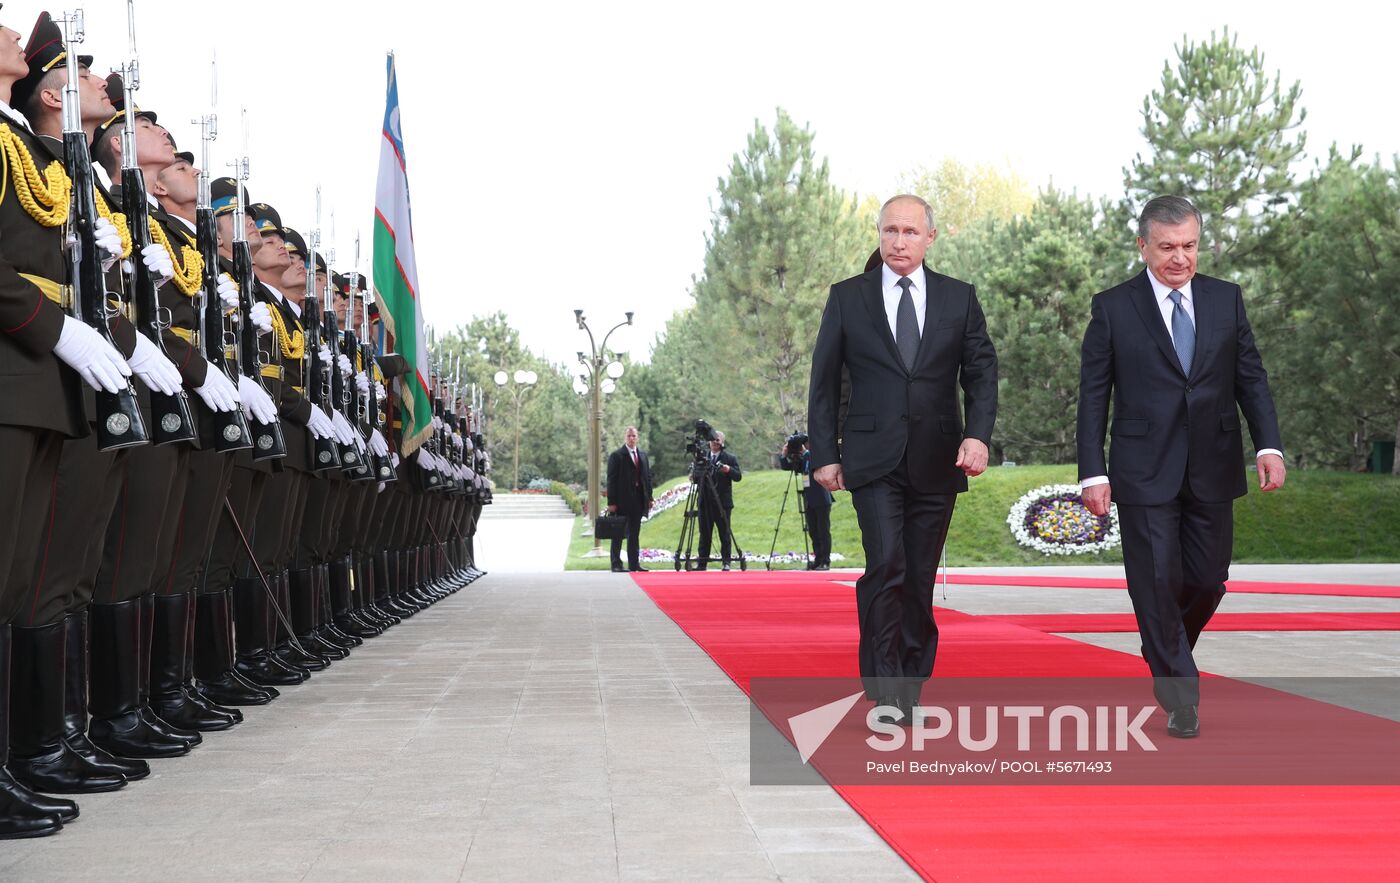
(781, 235)
(1337, 378)
(1222, 135)
(961, 196)
(1035, 275)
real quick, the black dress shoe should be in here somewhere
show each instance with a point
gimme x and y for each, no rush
(822, 567)
(1184, 723)
(894, 702)
(617, 568)
(725, 567)
(637, 569)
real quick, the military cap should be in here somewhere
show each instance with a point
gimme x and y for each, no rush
(295, 244)
(267, 218)
(222, 195)
(321, 265)
(185, 155)
(44, 52)
(341, 284)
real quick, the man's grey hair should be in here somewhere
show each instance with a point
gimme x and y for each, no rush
(928, 209)
(719, 436)
(1168, 210)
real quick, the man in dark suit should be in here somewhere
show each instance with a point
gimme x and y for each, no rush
(717, 502)
(816, 509)
(908, 338)
(630, 494)
(1175, 352)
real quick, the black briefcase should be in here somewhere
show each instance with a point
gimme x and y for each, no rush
(610, 527)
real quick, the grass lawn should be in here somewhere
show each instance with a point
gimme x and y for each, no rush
(1320, 517)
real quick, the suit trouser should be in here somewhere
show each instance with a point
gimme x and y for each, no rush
(28, 474)
(819, 529)
(634, 529)
(902, 531)
(75, 531)
(709, 520)
(208, 476)
(141, 534)
(283, 492)
(1177, 558)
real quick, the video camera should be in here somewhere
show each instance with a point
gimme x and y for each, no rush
(697, 445)
(792, 460)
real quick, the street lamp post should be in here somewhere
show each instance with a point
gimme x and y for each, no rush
(603, 373)
(524, 380)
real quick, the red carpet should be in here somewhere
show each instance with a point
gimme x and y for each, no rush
(1251, 587)
(1222, 622)
(793, 624)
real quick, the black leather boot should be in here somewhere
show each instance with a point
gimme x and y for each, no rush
(118, 726)
(345, 620)
(170, 647)
(75, 704)
(39, 758)
(383, 597)
(187, 685)
(393, 578)
(303, 615)
(284, 653)
(143, 674)
(22, 812)
(254, 661)
(369, 592)
(320, 575)
(358, 586)
(213, 655)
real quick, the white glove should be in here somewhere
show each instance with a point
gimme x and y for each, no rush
(157, 261)
(218, 393)
(260, 317)
(346, 369)
(362, 383)
(379, 393)
(394, 459)
(88, 353)
(377, 445)
(257, 404)
(154, 369)
(427, 460)
(325, 353)
(128, 267)
(457, 441)
(343, 433)
(228, 291)
(320, 425)
(437, 424)
(109, 241)
(468, 474)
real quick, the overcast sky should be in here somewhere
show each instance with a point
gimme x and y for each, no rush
(564, 155)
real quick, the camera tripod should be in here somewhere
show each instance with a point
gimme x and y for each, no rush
(701, 493)
(801, 516)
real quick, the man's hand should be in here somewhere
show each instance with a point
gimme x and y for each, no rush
(972, 457)
(723, 467)
(1272, 472)
(831, 477)
(612, 509)
(1097, 498)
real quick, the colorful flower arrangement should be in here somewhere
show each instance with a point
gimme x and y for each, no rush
(673, 497)
(1053, 520)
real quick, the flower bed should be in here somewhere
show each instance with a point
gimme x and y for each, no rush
(669, 555)
(1053, 520)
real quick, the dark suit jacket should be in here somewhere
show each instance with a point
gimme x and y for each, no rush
(724, 481)
(893, 410)
(623, 491)
(1170, 425)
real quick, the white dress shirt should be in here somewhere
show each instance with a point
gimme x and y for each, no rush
(889, 287)
(15, 116)
(1163, 293)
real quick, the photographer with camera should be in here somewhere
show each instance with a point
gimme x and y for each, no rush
(629, 495)
(716, 509)
(797, 458)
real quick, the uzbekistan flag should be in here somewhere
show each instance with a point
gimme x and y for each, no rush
(396, 275)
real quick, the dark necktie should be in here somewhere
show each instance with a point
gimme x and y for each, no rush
(906, 326)
(636, 469)
(1183, 332)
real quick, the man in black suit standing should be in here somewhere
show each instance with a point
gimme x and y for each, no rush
(716, 510)
(629, 493)
(1175, 352)
(909, 338)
